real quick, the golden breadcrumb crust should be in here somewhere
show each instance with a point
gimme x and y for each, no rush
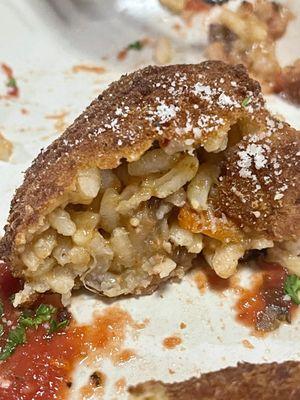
(188, 104)
(246, 381)
(259, 182)
(122, 123)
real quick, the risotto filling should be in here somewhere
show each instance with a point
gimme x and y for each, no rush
(122, 230)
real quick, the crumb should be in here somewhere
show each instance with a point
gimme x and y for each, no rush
(182, 325)
(125, 356)
(94, 386)
(201, 281)
(163, 51)
(177, 27)
(120, 385)
(142, 325)
(247, 344)
(60, 123)
(88, 68)
(6, 148)
(96, 379)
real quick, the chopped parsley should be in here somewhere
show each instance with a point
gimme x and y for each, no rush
(43, 314)
(11, 83)
(246, 101)
(292, 288)
(57, 326)
(27, 320)
(16, 337)
(138, 45)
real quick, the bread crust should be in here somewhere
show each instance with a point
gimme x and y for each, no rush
(246, 381)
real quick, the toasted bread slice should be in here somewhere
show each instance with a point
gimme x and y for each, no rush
(132, 191)
(246, 381)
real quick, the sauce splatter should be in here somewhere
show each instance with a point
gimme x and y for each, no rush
(88, 68)
(171, 342)
(264, 306)
(207, 278)
(42, 368)
(247, 344)
(141, 325)
(138, 45)
(125, 356)
(11, 83)
(122, 54)
(120, 385)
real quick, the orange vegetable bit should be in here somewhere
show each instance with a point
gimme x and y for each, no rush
(205, 222)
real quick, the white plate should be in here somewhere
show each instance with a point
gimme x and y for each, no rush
(42, 41)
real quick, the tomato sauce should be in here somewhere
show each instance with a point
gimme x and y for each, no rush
(42, 367)
(125, 356)
(265, 305)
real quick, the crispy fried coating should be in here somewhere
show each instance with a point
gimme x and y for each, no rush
(165, 104)
(246, 381)
(259, 182)
(181, 107)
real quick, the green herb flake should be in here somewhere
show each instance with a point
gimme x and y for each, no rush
(292, 288)
(138, 45)
(16, 337)
(1, 309)
(246, 101)
(57, 326)
(43, 314)
(11, 83)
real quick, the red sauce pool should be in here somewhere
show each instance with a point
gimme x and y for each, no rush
(264, 305)
(42, 368)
